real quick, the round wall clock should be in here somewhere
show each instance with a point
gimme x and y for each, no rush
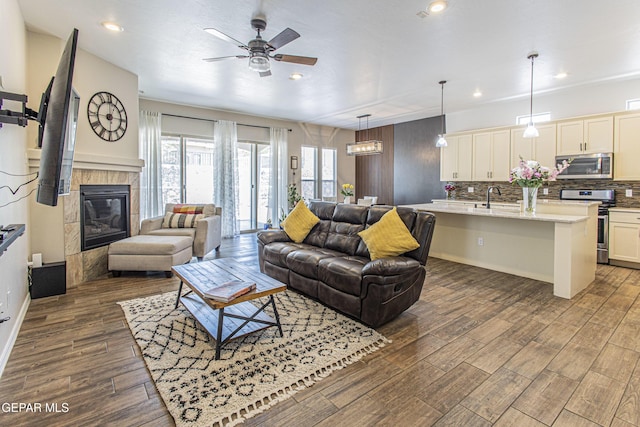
(107, 116)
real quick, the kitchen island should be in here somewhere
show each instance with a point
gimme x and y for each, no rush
(555, 245)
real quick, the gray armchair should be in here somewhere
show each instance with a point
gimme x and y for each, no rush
(207, 234)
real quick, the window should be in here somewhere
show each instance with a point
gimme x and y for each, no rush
(309, 173)
(537, 118)
(329, 172)
(187, 169)
(633, 104)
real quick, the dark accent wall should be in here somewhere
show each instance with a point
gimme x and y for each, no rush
(416, 176)
(374, 173)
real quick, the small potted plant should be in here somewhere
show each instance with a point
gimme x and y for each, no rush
(347, 192)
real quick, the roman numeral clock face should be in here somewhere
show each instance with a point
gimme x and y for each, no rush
(107, 116)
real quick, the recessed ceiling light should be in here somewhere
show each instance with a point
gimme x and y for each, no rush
(561, 75)
(295, 76)
(112, 26)
(437, 6)
(477, 93)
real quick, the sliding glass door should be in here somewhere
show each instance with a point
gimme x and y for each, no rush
(187, 169)
(254, 169)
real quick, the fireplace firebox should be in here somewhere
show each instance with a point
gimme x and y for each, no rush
(104, 214)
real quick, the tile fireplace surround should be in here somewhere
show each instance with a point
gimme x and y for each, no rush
(83, 266)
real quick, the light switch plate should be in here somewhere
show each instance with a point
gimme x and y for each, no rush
(469, 189)
(628, 192)
(545, 191)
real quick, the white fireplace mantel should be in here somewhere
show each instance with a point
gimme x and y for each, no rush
(92, 161)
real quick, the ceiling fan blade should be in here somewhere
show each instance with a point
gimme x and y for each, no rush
(223, 36)
(222, 58)
(304, 60)
(286, 36)
(265, 73)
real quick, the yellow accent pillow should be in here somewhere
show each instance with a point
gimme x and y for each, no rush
(388, 237)
(299, 222)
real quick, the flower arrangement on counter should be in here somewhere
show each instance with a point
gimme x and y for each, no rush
(530, 173)
(449, 188)
(347, 190)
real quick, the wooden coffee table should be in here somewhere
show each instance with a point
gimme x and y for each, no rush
(227, 320)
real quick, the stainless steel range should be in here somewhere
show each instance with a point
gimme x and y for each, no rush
(608, 200)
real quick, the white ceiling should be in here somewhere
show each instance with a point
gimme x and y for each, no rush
(374, 56)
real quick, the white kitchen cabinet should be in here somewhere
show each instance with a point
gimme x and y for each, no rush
(594, 135)
(491, 155)
(455, 158)
(624, 235)
(626, 147)
(542, 149)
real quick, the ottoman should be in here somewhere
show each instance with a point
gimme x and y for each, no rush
(149, 253)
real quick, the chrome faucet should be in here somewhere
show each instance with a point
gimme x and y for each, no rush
(489, 191)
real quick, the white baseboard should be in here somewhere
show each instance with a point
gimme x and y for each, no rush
(6, 351)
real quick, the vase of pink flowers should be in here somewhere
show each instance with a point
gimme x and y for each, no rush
(530, 175)
(449, 189)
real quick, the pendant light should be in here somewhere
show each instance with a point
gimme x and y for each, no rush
(531, 131)
(441, 141)
(367, 147)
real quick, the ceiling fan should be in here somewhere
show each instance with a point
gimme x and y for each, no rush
(260, 50)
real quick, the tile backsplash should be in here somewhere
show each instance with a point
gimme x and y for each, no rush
(513, 193)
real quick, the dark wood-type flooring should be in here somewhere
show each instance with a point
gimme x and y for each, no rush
(479, 348)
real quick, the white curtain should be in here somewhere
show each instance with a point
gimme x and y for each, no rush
(225, 174)
(150, 133)
(279, 179)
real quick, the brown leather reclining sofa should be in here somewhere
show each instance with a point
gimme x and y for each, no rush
(333, 266)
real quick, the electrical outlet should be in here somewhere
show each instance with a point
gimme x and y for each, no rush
(545, 191)
(628, 192)
(480, 241)
(470, 190)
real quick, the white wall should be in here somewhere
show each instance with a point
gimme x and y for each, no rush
(91, 75)
(599, 98)
(318, 136)
(13, 142)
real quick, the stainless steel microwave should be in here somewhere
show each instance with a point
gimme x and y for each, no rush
(585, 166)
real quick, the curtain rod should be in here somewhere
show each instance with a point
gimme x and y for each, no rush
(214, 121)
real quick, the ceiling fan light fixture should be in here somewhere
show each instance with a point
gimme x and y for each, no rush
(259, 61)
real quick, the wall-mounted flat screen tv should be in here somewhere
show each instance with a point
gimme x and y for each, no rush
(58, 118)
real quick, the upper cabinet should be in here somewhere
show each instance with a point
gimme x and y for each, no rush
(542, 149)
(593, 135)
(491, 156)
(627, 142)
(455, 158)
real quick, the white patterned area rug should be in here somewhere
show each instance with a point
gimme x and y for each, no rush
(254, 372)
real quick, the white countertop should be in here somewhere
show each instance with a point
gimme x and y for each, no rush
(633, 210)
(497, 202)
(498, 212)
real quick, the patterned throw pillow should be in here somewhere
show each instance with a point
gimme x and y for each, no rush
(388, 237)
(180, 220)
(299, 222)
(188, 209)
